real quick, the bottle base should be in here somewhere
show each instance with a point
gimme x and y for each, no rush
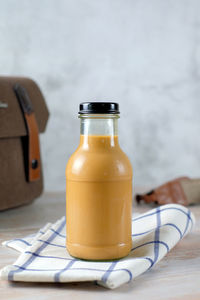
(99, 253)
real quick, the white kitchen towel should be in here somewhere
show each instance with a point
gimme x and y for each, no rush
(44, 257)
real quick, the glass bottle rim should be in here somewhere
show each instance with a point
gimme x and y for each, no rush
(99, 116)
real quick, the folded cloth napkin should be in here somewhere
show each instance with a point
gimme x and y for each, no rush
(44, 257)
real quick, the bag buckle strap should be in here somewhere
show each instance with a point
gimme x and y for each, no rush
(33, 132)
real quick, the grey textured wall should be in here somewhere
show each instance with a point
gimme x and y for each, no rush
(145, 54)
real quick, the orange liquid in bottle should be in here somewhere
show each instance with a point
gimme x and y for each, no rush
(98, 199)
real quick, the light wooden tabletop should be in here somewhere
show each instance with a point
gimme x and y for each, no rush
(176, 277)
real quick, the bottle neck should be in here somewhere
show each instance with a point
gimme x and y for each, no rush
(99, 131)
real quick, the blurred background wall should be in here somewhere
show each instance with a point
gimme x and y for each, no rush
(144, 54)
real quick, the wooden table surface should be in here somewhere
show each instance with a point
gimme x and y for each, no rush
(176, 277)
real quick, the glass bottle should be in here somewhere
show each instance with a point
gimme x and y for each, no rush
(98, 188)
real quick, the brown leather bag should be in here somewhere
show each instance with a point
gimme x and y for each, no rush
(23, 115)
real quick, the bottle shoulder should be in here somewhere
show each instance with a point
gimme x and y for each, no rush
(99, 165)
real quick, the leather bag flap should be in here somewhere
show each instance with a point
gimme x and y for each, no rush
(11, 117)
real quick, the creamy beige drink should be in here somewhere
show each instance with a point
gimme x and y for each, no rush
(99, 195)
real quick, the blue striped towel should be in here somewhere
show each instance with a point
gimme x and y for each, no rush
(44, 257)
